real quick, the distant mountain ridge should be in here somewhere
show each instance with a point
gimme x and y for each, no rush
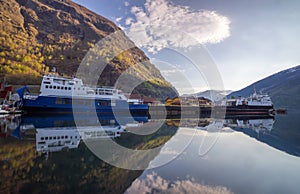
(283, 87)
(37, 35)
(213, 95)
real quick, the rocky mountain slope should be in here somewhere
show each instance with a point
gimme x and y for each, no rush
(283, 87)
(37, 35)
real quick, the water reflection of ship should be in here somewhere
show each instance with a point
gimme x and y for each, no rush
(260, 125)
(23, 127)
(261, 130)
(8, 123)
(54, 133)
(65, 138)
(84, 120)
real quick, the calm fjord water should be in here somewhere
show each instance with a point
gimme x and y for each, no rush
(244, 155)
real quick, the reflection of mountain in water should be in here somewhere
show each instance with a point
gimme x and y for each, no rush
(261, 129)
(70, 166)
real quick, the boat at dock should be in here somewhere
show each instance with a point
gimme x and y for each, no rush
(8, 101)
(5, 90)
(256, 104)
(70, 95)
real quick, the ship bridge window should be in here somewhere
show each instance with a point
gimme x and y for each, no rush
(46, 86)
(47, 82)
(42, 138)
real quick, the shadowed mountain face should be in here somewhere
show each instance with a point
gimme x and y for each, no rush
(283, 87)
(37, 35)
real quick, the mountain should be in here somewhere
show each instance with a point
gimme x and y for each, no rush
(283, 87)
(37, 35)
(213, 95)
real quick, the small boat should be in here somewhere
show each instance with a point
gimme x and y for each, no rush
(4, 90)
(256, 104)
(70, 95)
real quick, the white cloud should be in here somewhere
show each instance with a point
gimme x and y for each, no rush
(154, 183)
(126, 3)
(161, 24)
(128, 21)
(118, 19)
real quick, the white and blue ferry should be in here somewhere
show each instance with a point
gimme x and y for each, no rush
(70, 95)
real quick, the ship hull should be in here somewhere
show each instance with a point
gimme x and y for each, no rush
(249, 110)
(67, 105)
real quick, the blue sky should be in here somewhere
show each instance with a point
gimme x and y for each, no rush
(247, 40)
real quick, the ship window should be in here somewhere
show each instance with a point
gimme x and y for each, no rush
(58, 137)
(46, 138)
(78, 88)
(75, 137)
(66, 137)
(104, 103)
(54, 87)
(71, 137)
(47, 82)
(50, 138)
(50, 86)
(66, 88)
(54, 137)
(58, 101)
(68, 101)
(69, 88)
(42, 138)
(58, 87)
(82, 88)
(46, 86)
(62, 137)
